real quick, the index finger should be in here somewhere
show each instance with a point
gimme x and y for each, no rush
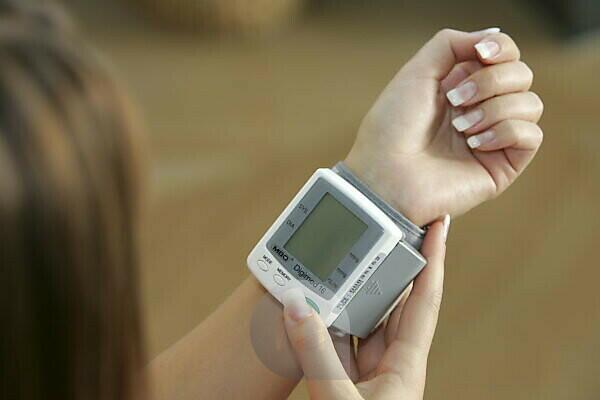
(446, 49)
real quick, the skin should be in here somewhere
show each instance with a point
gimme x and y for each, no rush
(408, 151)
(391, 363)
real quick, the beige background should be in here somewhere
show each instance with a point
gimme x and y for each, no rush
(236, 126)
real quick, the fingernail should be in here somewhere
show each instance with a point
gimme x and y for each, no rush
(461, 94)
(466, 121)
(488, 31)
(446, 223)
(295, 305)
(477, 140)
(487, 50)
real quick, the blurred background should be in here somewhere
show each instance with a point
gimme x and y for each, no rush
(244, 99)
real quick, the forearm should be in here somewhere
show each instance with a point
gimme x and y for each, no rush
(218, 358)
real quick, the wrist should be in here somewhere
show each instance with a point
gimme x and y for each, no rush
(386, 187)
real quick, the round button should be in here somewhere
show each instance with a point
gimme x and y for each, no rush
(280, 280)
(262, 265)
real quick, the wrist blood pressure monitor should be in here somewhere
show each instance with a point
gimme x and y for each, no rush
(351, 253)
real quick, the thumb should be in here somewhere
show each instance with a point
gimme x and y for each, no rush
(446, 49)
(323, 370)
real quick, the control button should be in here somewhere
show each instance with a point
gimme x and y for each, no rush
(262, 265)
(313, 305)
(280, 280)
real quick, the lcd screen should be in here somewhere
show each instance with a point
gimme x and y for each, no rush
(325, 237)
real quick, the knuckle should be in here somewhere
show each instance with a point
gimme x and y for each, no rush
(301, 343)
(527, 71)
(510, 126)
(539, 134)
(538, 103)
(445, 33)
(492, 77)
(309, 341)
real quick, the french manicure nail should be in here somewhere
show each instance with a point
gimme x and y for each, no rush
(446, 223)
(462, 94)
(468, 120)
(489, 30)
(487, 50)
(477, 140)
(294, 304)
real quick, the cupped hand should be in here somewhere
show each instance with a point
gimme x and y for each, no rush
(391, 363)
(454, 128)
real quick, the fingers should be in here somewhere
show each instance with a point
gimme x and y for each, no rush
(521, 106)
(459, 73)
(420, 314)
(370, 352)
(407, 355)
(372, 349)
(391, 328)
(491, 81)
(501, 113)
(497, 48)
(324, 373)
(344, 348)
(446, 49)
(515, 134)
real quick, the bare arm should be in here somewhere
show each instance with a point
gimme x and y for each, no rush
(218, 359)
(454, 128)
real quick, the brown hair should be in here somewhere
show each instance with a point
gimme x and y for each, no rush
(69, 319)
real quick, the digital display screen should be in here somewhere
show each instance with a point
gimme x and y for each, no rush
(325, 237)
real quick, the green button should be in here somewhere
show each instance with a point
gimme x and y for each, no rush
(313, 305)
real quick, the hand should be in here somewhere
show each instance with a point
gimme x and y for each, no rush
(391, 363)
(412, 146)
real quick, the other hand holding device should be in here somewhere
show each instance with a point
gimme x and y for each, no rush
(391, 363)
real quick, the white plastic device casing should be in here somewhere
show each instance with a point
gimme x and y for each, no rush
(326, 307)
